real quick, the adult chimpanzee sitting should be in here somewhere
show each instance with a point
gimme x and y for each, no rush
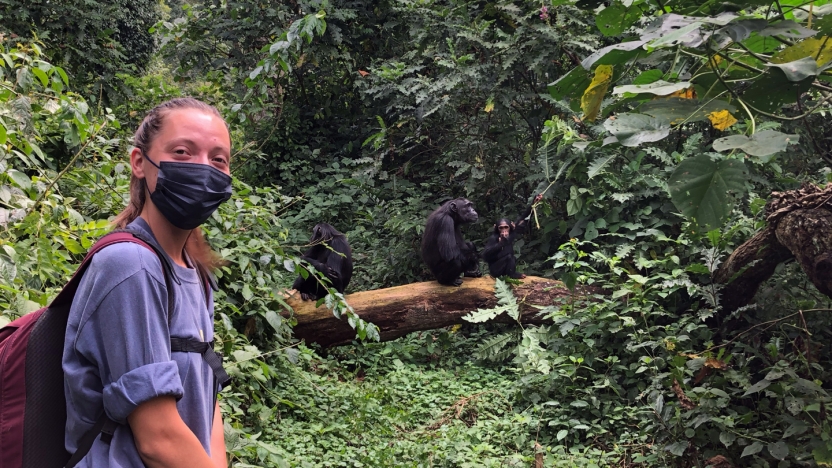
(443, 249)
(331, 255)
(499, 248)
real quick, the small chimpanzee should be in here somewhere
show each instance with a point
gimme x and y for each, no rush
(331, 255)
(499, 248)
(443, 248)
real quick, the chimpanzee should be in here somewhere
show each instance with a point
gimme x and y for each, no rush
(499, 248)
(443, 248)
(335, 264)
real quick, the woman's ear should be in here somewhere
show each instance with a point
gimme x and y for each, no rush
(137, 162)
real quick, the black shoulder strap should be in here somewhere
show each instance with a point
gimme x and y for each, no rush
(104, 426)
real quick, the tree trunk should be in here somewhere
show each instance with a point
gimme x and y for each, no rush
(413, 307)
(799, 225)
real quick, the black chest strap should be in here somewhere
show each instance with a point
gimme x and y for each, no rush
(206, 349)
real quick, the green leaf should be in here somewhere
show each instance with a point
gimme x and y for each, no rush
(823, 454)
(701, 188)
(598, 165)
(506, 302)
(788, 28)
(247, 294)
(20, 179)
(752, 449)
(727, 438)
(274, 319)
(757, 387)
(773, 91)
(762, 143)
(678, 110)
(779, 449)
(614, 19)
(41, 76)
(571, 85)
(659, 88)
(798, 70)
(561, 434)
(635, 129)
(647, 77)
(569, 279)
(677, 448)
(615, 54)
(591, 232)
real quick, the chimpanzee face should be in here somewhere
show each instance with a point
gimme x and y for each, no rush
(503, 228)
(322, 232)
(464, 210)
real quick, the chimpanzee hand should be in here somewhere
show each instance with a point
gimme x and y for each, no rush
(332, 273)
(538, 198)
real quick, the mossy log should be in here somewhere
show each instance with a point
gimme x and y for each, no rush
(400, 310)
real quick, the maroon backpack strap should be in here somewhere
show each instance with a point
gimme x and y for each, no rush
(68, 292)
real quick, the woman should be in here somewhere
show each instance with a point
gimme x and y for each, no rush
(117, 351)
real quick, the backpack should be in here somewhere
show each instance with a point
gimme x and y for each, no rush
(32, 401)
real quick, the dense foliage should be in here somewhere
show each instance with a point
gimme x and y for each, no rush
(657, 130)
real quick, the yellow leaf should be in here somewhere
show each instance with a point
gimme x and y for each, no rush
(721, 119)
(687, 93)
(489, 105)
(594, 94)
(820, 49)
(455, 328)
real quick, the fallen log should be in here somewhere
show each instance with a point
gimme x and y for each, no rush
(798, 226)
(400, 310)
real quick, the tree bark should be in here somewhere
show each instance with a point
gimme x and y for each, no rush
(748, 267)
(413, 307)
(799, 226)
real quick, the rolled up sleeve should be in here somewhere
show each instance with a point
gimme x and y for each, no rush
(127, 337)
(140, 385)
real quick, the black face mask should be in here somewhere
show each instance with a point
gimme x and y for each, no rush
(188, 193)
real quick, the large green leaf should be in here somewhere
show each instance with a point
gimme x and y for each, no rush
(799, 69)
(761, 144)
(635, 129)
(677, 110)
(570, 85)
(702, 188)
(774, 90)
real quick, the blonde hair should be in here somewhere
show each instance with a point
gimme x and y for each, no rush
(196, 246)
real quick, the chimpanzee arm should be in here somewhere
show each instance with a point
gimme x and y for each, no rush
(492, 249)
(335, 263)
(522, 223)
(446, 240)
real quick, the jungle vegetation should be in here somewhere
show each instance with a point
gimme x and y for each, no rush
(683, 146)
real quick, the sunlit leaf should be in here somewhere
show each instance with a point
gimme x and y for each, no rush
(660, 88)
(594, 94)
(721, 119)
(761, 144)
(635, 129)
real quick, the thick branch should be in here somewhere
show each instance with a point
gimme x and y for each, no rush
(749, 266)
(413, 307)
